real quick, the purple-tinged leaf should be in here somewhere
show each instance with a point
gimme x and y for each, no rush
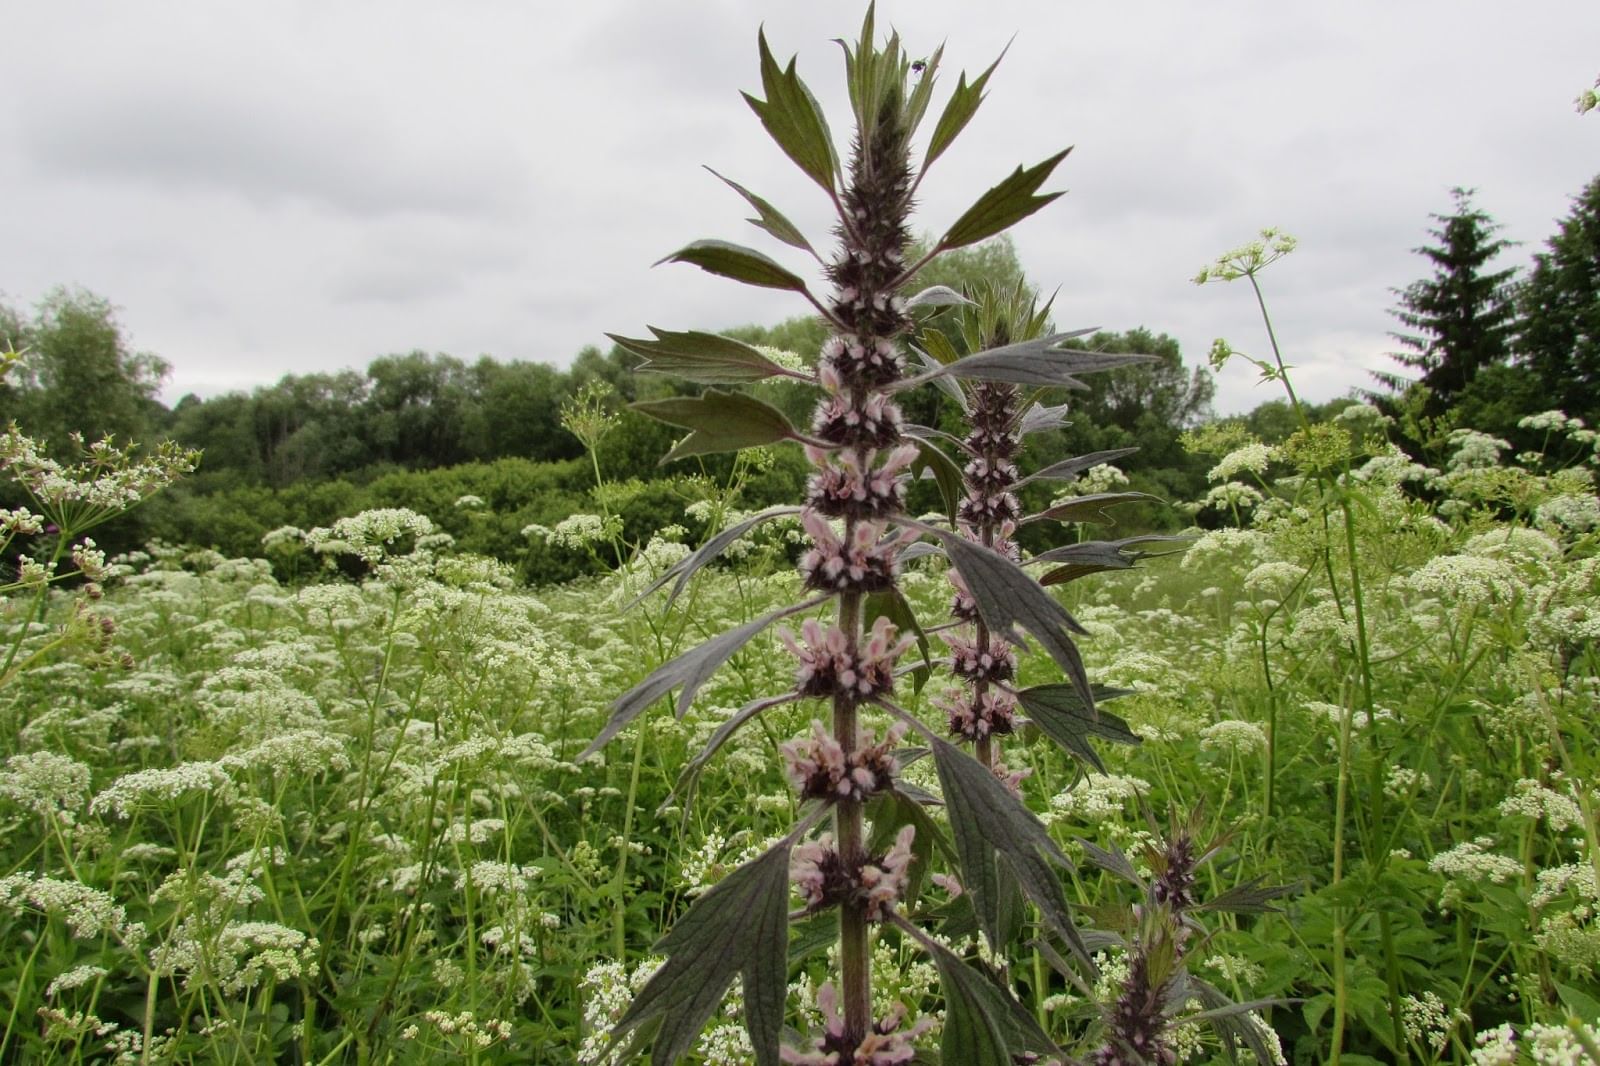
(740, 927)
(936, 296)
(769, 218)
(948, 386)
(687, 672)
(1249, 897)
(721, 422)
(1003, 206)
(919, 550)
(1112, 861)
(1008, 598)
(706, 358)
(989, 823)
(1067, 469)
(1063, 715)
(891, 603)
(931, 458)
(958, 111)
(794, 120)
(1031, 362)
(729, 260)
(1038, 418)
(1094, 556)
(689, 777)
(686, 567)
(1225, 1018)
(1092, 508)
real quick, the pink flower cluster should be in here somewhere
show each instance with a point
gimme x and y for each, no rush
(886, 1045)
(819, 769)
(976, 716)
(828, 667)
(865, 564)
(843, 419)
(997, 662)
(996, 475)
(848, 485)
(819, 874)
(989, 508)
(864, 362)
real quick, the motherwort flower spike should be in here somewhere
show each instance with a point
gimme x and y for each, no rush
(861, 459)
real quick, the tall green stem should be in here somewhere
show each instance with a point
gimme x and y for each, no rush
(855, 960)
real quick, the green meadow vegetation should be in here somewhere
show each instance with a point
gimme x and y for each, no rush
(460, 729)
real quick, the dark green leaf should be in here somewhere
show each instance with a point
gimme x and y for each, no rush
(1031, 362)
(1067, 469)
(1008, 203)
(984, 1025)
(936, 296)
(1092, 508)
(703, 357)
(1112, 861)
(1249, 897)
(689, 776)
(958, 111)
(794, 120)
(735, 261)
(891, 604)
(769, 218)
(1038, 418)
(946, 385)
(741, 926)
(930, 457)
(1106, 554)
(1228, 1021)
(939, 347)
(721, 421)
(889, 812)
(1008, 598)
(688, 671)
(1068, 719)
(686, 567)
(988, 821)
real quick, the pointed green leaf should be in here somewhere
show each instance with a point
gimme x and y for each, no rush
(1092, 508)
(989, 822)
(729, 260)
(936, 296)
(958, 111)
(721, 421)
(984, 1024)
(703, 357)
(769, 218)
(1068, 469)
(686, 567)
(794, 120)
(1062, 714)
(689, 777)
(688, 671)
(1249, 897)
(891, 603)
(1003, 206)
(741, 926)
(1008, 598)
(1031, 362)
(932, 459)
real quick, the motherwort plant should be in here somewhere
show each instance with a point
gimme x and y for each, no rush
(862, 829)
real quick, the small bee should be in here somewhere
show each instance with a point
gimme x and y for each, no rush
(918, 66)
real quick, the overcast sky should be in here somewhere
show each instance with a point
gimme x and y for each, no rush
(279, 187)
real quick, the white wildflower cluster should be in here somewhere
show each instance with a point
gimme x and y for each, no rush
(1568, 515)
(1096, 797)
(1235, 735)
(1403, 781)
(1475, 451)
(1393, 468)
(1251, 459)
(108, 480)
(578, 531)
(492, 876)
(1428, 1022)
(46, 783)
(1530, 799)
(372, 535)
(76, 977)
(244, 954)
(1473, 861)
(1566, 609)
(283, 539)
(160, 785)
(465, 1025)
(1234, 495)
(1544, 1045)
(1274, 578)
(1236, 549)
(1467, 579)
(469, 502)
(19, 521)
(1514, 544)
(88, 912)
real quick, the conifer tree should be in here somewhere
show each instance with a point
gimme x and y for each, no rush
(1461, 319)
(1559, 331)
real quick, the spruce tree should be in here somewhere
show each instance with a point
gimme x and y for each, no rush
(1461, 319)
(1559, 334)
